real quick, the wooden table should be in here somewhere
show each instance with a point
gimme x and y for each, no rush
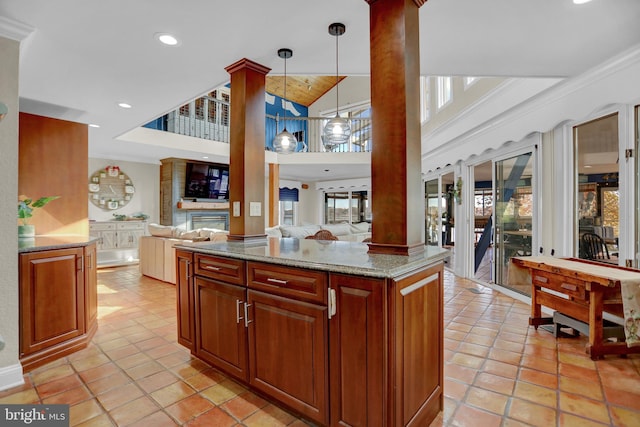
(586, 288)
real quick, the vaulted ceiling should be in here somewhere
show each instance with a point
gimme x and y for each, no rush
(82, 57)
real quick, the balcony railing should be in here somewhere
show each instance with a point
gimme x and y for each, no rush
(209, 118)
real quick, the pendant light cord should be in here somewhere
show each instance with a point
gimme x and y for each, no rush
(284, 126)
(337, 78)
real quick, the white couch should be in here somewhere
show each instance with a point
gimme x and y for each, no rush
(158, 252)
(346, 232)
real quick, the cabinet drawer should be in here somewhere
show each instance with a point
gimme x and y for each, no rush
(102, 226)
(309, 285)
(134, 225)
(572, 287)
(226, 269)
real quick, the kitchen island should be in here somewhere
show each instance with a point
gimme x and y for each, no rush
(58, 297)
(337, 335)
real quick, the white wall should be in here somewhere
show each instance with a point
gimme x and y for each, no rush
(10, 368)
(353, 90)
(146, 180)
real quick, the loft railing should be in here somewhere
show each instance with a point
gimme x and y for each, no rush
(209, 118)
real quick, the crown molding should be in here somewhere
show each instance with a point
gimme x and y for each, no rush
(14, 30)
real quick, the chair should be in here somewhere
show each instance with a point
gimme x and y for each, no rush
(593, 247)
(322, 235)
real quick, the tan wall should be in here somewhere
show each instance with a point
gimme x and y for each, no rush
(9, 66)
(53, 161)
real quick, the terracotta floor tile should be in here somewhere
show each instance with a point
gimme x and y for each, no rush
(189, 408)
(90, 362)
(134, 411)
(107, 383)
(58, 386)
(454, 389)
(570, 420)
(623, 417)
(466, 416)
(157, 419)
(623, 397)
(222, 392)
(23, 396)
(495, 383)
(114, 344)
(269, 416)
(586, 388)
(69, 397)
(133, 360)
(121, 352)
(205, 379)
(244, 405)
(549, 366)
(581, 360)
(531, 413)
(161, 350)
(119, 396)
(98, 372)
(144, 370)
(500, 368)
(172, 393)
(460, 373)
(156, 381)
(468, 360)
(534, 393)
(190, 368)
(487, 400)
(84, 411)
(99, 421)
(538, 377)
(584, 407)
(503, 344)
(214, 417)
(578, 372)
(505, 356)
(473, 349)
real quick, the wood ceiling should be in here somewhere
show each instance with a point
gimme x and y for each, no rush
(304, 90)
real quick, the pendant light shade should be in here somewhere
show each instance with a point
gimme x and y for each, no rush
(337, 130)
(285, 142)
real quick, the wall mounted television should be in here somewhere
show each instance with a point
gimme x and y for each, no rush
(207, 181)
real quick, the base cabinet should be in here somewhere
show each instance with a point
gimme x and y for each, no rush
(339, 349)
(58, 303)
(117, 240)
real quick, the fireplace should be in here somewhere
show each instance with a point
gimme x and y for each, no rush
(207, 219)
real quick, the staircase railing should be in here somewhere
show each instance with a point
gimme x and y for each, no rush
(209, 118)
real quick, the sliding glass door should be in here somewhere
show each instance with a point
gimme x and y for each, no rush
(514, 215)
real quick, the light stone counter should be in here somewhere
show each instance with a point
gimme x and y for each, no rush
(333, 256)
(53, 241)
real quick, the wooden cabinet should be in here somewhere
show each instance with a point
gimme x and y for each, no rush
(288, 357)
(117, 240)
(184, 298)
(340, 349)
(221, 330)
(58, 303)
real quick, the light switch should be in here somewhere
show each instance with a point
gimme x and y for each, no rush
(236, 208)
(255, 208)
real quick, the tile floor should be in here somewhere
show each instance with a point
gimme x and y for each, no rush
(499, 371)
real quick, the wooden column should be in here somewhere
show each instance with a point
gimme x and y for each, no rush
(396, 181)
(274, 194)
(246, 163)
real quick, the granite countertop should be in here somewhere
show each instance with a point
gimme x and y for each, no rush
(334, 256)
(53, 241)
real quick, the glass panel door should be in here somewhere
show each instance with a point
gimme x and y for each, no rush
(513, 215)
(432, 213)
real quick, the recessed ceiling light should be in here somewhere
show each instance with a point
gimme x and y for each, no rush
(92, 125)
(588, 166)
(124, 105)
(167, 39)
(581, 1)
(205, 157)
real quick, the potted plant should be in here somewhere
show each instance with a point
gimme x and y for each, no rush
(25, 211)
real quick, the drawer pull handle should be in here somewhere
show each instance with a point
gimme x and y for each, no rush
(246, 315)
(569, 287)
(211, 267)
(238, 316)
(278, 281)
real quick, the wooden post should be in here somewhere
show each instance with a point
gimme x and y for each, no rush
(274, 194)
(247, 132)
(396, 179)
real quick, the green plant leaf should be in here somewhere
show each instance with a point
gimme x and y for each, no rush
(43, 201)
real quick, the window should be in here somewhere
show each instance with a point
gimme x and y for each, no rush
(444, 91)
(483, 202)
(349, 207)
(288, 206)
(468, 81)
(424, 99)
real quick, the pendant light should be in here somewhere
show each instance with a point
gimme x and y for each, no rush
(285, 142)
(337, 130)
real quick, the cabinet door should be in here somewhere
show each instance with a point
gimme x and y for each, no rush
(288, 352)
(221, 334)
(357, 351)
(91, 286)
(52, 300)
(107, 239)
(184, 298)
(128, 238)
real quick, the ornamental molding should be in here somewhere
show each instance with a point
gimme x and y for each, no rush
(14, 30)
